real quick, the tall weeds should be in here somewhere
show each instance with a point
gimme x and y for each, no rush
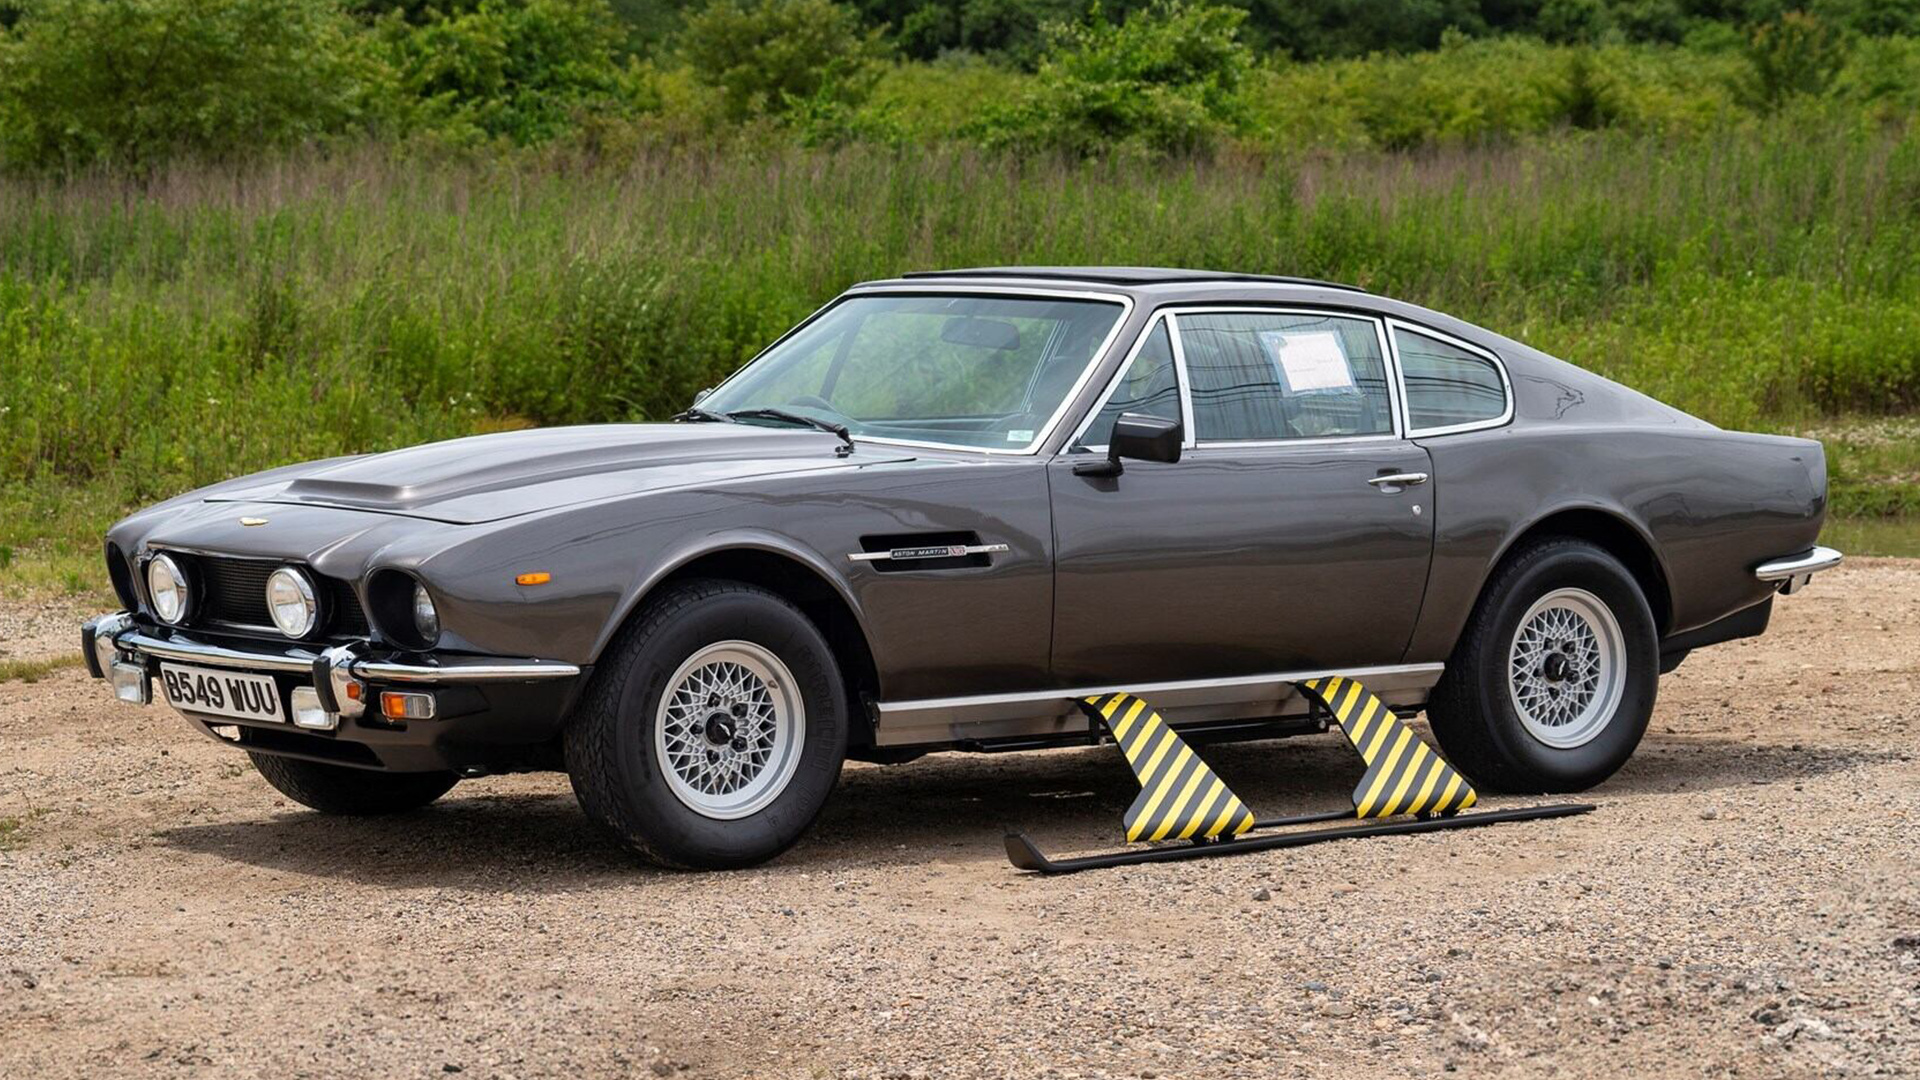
(209, 321)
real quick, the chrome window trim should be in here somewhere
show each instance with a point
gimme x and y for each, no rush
(1185, 385)
(1506, 380)
(1395, 405)
(1119, 375)
(1044, 433)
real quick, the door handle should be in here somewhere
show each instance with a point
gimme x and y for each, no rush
(1407, 479)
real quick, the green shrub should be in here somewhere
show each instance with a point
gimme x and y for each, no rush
(523, 70)
(1167, 79)
(939, 101)
(1794, 54)
(130, 82)
(1883, 76)
(769, 56)
(1477, 90)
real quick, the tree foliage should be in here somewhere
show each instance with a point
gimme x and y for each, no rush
(130, 82)
(523, 70)
(1167, 79)
(766, 57)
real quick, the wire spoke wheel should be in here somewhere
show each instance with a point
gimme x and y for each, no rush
(1566, 668)
(729, 730)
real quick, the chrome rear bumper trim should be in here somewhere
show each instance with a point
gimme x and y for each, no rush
(1796, 570)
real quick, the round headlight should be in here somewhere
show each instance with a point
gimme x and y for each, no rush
(426, 621)
(167, 585)
(291, 602)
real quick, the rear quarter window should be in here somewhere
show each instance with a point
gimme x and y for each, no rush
(1446, 385)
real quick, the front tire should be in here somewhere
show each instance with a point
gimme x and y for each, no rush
(336, 789)
(1552, 684)
(714, 728)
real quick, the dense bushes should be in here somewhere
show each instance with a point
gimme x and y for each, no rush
(132, 82)
(523, 70)
(768, 57)
(1168, 79)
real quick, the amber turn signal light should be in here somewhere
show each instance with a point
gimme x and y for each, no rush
(399, 706)
(538, 577)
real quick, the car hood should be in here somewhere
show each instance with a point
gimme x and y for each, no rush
(490, 477)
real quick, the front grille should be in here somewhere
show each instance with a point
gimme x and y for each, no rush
(235, 590)
(234, 593)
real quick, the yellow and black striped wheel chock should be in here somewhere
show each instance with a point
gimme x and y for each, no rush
(1181, 799)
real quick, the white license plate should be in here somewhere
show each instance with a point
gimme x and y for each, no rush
(222, 693)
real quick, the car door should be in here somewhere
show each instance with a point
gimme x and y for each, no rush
(1294, 533)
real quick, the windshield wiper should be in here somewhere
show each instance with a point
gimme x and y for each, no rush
(696, 414)
(846, 436)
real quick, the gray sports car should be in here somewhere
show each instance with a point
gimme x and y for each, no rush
(937, 513)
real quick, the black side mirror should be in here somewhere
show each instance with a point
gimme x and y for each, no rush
(1140, 437)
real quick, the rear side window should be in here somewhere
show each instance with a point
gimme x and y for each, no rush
(1264, 376)
(1447, 385)
(1149, 387)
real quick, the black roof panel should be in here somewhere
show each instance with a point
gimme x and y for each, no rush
(1124, 275)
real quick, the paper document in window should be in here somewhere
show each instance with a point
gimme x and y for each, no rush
(1310, 363)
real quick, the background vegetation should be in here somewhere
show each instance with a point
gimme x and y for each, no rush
(235, 233)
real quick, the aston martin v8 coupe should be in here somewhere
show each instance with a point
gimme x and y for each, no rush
(935, 515)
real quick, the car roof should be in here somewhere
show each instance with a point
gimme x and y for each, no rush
(1120, 275)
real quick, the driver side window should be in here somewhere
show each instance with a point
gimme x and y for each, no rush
(1149, 387)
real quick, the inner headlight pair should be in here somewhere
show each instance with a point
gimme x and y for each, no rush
(291, 600)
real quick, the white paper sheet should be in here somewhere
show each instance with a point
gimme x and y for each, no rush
(1310, 363)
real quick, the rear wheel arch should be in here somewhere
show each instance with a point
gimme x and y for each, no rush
(1612, 533)
(798, 582)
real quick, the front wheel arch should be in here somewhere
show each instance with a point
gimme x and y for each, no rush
(789, 575)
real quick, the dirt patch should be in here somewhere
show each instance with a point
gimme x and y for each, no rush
(1743, 903)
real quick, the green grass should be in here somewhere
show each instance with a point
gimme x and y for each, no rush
(1898, 536)
(36, 669)
(13, 829)
(159, 335)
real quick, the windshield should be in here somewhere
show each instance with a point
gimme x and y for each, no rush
(973, 371)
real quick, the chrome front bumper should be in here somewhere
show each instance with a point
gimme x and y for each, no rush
(115, 646)
(1790, 573)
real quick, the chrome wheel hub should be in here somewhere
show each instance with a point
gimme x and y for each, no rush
(729, 730)
(1566, 668)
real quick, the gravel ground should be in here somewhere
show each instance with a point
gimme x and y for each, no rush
(1742, 904)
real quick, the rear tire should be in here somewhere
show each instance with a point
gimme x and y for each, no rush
(713, 730)
(336, 789)
(1552, 684)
